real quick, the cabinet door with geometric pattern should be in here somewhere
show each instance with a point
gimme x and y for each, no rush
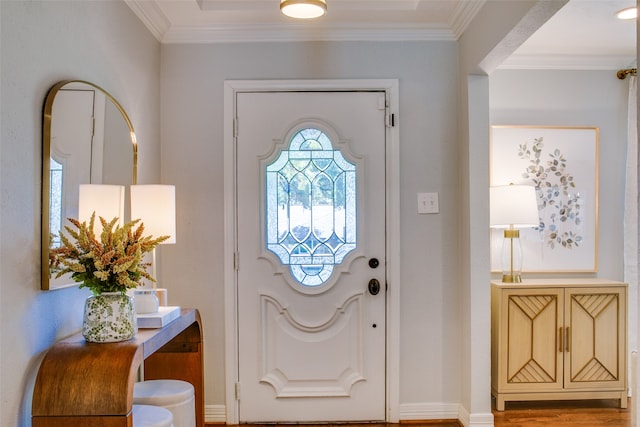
(533, 362)
(595, 328)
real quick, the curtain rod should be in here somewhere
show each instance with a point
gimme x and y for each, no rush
(622, 74)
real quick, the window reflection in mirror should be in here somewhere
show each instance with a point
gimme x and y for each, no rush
(87, 139)
(55, 201)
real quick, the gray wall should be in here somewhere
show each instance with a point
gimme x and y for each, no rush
(576, 98)
(495, 32)
(102, 41)
(192, 155)
(580, 98)
(42, 43)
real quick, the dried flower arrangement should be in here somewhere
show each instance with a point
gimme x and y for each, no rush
(112, 264)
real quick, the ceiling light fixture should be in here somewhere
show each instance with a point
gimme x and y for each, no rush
(628, 13)
(303, 9)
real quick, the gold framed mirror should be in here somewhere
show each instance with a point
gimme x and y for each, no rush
(87, 138)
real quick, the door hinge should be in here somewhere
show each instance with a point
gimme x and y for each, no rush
(93, 126)
(390, 120)
(235, 127)
(236, 261)
(237, 391)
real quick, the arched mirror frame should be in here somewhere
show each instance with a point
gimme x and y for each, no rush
(46, 167)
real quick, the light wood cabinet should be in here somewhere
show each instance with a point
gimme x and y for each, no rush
(558, 339)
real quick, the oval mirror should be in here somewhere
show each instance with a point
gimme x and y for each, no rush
(87, 138)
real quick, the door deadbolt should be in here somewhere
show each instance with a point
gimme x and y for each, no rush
(374, 263)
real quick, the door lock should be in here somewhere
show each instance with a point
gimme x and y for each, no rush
(374, 286)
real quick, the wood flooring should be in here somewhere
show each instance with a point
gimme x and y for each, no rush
(593, 413)
(586, 413)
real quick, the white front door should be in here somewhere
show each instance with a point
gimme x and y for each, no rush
(311, 256)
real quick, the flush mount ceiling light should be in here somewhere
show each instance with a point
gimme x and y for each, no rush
(628, 13)
(303, 9)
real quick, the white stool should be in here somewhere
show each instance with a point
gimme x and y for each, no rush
(151, 416)
(175, 395)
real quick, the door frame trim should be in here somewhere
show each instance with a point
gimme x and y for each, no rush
(391, 88)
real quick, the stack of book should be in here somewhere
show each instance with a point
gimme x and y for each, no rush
(159, 319)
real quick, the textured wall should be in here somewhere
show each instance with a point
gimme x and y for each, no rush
(42, 43)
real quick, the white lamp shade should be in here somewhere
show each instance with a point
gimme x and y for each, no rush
(513, 206)
(155, 206)
(303, 9)
(107, 201)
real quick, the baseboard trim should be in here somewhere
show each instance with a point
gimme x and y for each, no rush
(429, 411)
(215, 414)
(481, 420)
(475, 420)
(409, 412)
(444, 411)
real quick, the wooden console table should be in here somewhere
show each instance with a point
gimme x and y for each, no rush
(91, 385)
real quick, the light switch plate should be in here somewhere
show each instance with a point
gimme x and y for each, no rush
(428, 203)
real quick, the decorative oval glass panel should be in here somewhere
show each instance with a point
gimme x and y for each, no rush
(311, 207)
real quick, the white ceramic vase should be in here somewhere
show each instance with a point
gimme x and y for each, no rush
(109, 317)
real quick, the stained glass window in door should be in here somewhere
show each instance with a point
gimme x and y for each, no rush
(311, 207)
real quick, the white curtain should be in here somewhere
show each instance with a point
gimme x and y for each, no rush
(631, 233)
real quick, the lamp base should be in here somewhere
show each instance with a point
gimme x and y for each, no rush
(162, 296)
(511, 278)
(511, 256)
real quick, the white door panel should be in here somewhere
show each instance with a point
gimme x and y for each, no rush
(311, 351)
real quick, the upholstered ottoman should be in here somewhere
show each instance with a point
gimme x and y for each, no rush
(174, 395)
(151, 416)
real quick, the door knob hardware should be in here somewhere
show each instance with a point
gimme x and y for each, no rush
(374, 263)
(374, 286)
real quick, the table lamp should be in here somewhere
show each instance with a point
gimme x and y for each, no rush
(107, 201)
(513, 207)
(155, 206)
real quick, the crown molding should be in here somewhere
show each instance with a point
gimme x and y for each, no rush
(463, 15)
(567, 62)
(151, 16)
(158, 24)
(289, 33)
(154, 19)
